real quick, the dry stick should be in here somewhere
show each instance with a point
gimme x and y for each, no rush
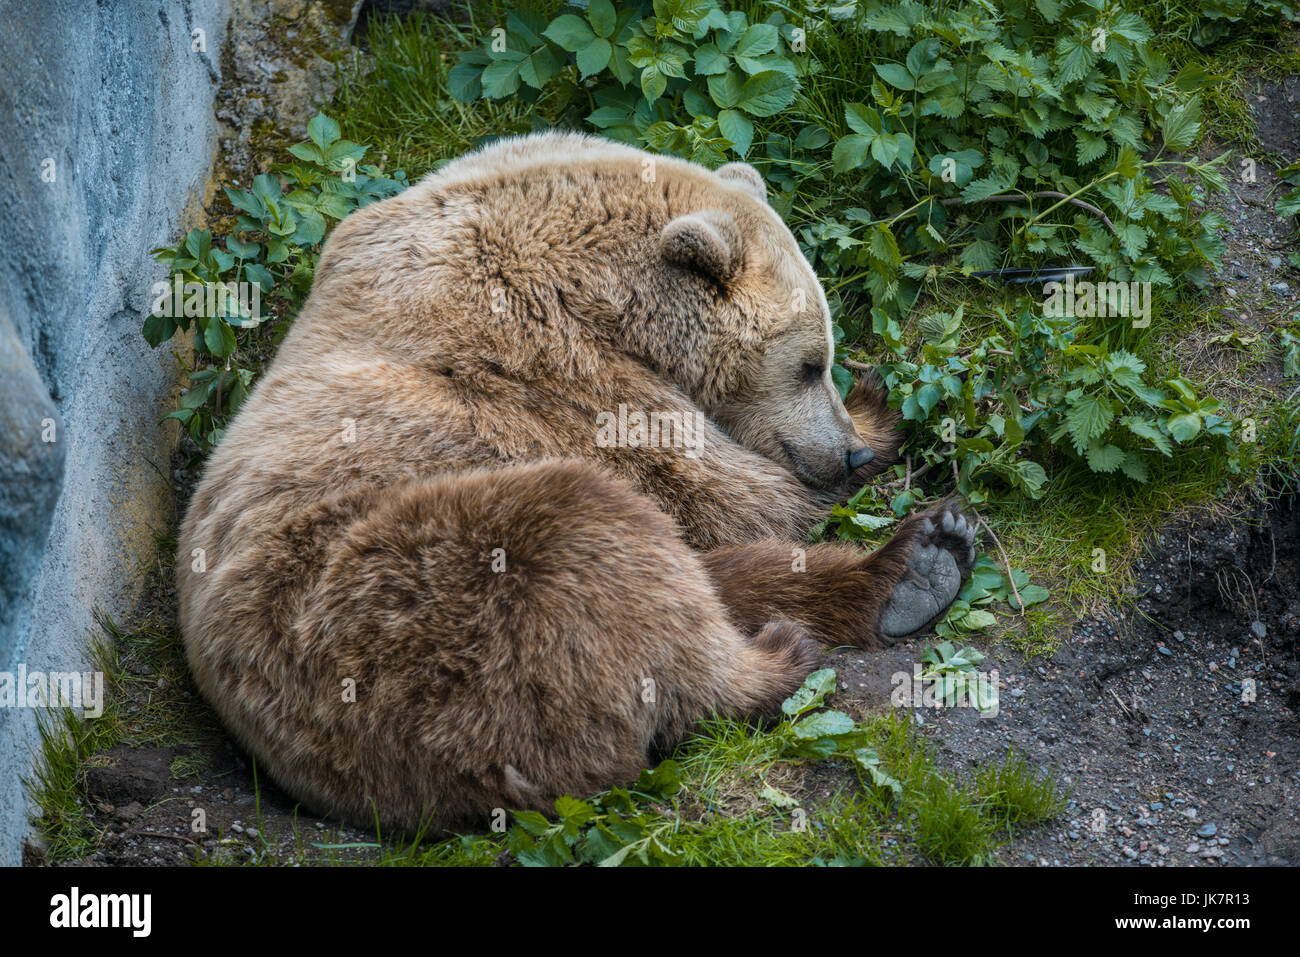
(1122, 706)
(1041, 194)
(916, 476)
(907, 480)
(859, 366)
(1010, 577)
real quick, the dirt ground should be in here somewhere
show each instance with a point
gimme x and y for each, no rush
(1173, 722)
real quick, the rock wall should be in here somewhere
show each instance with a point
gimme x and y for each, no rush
(108, 111)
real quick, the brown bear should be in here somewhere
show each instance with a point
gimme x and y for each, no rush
(521, 497)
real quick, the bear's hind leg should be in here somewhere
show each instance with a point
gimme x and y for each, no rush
(514, 635)
(843, 596)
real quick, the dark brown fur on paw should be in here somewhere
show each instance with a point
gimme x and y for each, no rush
(876, 422)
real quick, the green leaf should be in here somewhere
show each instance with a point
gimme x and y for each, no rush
(1087, 419)
(1031, 594)
(662, 782)
(862, 119)
(1104, 458)
(982, 189)
(811, 694)
(1150, 431)
(823, 724)
(758, 39)
(766, 93)
(653, 83)
(308, 152)
(219, 338)
(896, 75)
(710, 61)
(1181, 126)
(538, 67)
(344, 153)
(158, 329)
(501, 78)
(603, 17)
(1184, 426)
(737, 128)
(593, 57)
(850, 152)
(323, 131)
(569, 32)
(725, 89)
(1135, 467)
(464, 82)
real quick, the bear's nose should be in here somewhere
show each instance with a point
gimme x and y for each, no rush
(857, 458)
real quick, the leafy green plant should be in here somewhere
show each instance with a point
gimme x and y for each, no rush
(948, 117)
(1031, 390)
(621, 827)
(280, 225)
(953, 670)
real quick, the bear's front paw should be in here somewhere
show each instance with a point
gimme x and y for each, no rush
(942, 552)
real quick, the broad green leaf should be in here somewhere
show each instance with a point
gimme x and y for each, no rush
(569, 32)
(1087, 419)
(603, 17)
(323, 131)
(766, 93)
(737, 128)
(593, 57)
(896, 75)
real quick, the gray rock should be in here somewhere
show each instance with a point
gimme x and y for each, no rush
(109, 137)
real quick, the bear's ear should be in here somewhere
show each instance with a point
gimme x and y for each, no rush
(707, 242)
(746, 177)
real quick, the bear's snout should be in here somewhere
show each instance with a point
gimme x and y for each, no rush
(856, 458)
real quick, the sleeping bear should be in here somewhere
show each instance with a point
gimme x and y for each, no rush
(525, 492)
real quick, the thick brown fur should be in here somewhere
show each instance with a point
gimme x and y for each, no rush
(416, 586)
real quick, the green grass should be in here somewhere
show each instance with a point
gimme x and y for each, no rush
(396, 98)
(741, 804)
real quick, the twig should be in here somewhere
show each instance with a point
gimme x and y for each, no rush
(1123, 707)
(998, 542)
(916, 476)
(172, 837)
(858, 366)
(1250, 200)
(1041, 194)
(907, 479)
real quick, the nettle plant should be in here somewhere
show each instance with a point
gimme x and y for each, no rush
(281, 223)
(1030, 390)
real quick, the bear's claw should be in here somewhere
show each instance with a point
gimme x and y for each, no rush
(941, 555)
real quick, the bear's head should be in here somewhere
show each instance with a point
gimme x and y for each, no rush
(743, 294)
